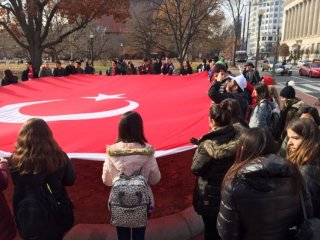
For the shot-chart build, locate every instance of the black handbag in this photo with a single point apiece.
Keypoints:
(310, 228)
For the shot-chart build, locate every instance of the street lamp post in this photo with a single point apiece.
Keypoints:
(258, 40)
(276, 53)
(248, 33)
(91, 46)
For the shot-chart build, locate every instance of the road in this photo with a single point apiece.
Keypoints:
(306, 85)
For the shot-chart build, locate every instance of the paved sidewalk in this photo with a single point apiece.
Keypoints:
(185, 225)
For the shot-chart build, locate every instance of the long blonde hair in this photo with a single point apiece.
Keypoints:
(309, 148)
(36, 150)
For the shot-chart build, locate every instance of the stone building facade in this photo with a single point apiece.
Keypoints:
(301, 28)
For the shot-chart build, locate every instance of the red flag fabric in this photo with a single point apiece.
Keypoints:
(83, 111)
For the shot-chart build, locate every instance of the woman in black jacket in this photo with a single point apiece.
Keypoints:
(215, 154)
(39, 167)
(9, 78)
(260, 192)
(304, 151)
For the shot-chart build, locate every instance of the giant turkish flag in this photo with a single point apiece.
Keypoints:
(83, 111)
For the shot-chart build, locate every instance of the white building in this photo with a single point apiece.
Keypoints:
(302, 28)
(272, 16)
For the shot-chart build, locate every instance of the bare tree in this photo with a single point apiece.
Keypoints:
(185, 21)
(30, 22)
(144, 36)
(236, 8)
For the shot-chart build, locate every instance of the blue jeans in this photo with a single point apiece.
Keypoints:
(125, 233)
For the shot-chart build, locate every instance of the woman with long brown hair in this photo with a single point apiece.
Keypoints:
(38, 163)
(260, 192)
(304, 151)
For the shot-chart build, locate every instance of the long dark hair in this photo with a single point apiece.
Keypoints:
(312, 111)
(130, 128)
(36, 150)
(8, 74)
(262, 92)
(309, 149)
(253, 143)
(221, 114)
(233, 105)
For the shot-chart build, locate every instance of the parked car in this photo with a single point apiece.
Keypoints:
(252, 58)
(311, 69)
(283, 69)
(301, 62)
(267, 65)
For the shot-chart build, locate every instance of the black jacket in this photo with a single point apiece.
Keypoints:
(25, 74)
(214, 156)
(6, 81)
(217, 96)
(261, 201)
(65, 176)
(311, 176)
(59, 72)
(70, 70)
(252, 77)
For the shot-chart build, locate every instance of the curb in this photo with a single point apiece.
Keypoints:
(179, 226)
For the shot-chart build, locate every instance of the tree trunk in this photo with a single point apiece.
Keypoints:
(234, 50)
(36, 57)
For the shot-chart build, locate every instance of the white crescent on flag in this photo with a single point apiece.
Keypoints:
(11, 114)
(83, 111)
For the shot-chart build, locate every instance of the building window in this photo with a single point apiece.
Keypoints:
(263, 38)
(276, 3)
(269, 38)
(318, 47)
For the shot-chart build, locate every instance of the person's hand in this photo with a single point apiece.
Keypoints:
(3, 160)
(221, 76)
(194, 141)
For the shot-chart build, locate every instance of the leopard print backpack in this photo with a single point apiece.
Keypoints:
(129, 201)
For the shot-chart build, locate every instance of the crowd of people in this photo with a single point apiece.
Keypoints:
(46, 71)
(259, 157)
(118, 67)
(261, 154)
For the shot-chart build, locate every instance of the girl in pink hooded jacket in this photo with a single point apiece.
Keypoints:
(130, 153)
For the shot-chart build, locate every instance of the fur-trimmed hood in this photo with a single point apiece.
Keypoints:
(129, 157)
(221, 151)
(115, 150)
(295, 102)
(223, 142)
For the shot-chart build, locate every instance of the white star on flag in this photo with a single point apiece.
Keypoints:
(102, 97)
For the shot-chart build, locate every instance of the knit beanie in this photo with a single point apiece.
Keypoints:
(288, 92)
